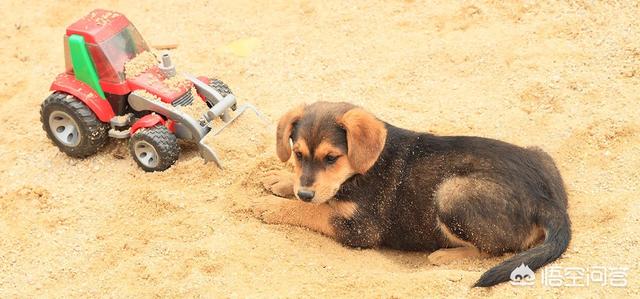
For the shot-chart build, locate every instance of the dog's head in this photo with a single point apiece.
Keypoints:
(330, 143)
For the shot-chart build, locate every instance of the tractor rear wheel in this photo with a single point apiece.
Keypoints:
(72, 126)
(154, 149)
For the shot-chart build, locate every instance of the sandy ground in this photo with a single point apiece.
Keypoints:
(565, 77)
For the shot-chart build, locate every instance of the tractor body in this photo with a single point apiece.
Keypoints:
(97, 50)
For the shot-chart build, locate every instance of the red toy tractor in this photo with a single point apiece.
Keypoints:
(95, 98)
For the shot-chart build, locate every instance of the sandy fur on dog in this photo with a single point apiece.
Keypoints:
(565, 77)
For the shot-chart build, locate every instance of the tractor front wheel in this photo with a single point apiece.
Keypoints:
(154, 149)
(221, 88)
(72, 126)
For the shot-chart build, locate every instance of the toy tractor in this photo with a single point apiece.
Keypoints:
(95, 98)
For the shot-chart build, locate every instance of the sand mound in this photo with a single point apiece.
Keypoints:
(240, 140)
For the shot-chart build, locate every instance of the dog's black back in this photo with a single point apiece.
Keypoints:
(400, 192)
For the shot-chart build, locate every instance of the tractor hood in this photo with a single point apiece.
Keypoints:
(156, 83)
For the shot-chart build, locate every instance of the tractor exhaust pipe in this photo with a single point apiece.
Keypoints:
(167, 67)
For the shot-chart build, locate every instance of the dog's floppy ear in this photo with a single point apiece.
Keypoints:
(283, 133)
(366, 137)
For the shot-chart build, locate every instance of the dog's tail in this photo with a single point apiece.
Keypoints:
(558, 235)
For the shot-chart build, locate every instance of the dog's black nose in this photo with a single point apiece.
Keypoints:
(306, 195)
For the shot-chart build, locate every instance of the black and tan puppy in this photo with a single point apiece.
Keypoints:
(367, 183)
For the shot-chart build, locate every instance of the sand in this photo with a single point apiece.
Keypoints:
(197, 108)
(565, 77)
(241, 140)
(140, 64)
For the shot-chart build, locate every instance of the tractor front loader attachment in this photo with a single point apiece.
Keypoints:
(186, 127)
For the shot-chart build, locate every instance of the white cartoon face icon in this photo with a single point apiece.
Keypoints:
(522, 276)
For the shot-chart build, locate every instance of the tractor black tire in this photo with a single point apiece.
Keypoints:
(85, 133)
(222, 88)
(154, 149)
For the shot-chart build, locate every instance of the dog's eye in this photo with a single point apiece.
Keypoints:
(330, 159)
(298, 155)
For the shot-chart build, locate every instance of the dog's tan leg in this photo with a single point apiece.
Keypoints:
(316, 217)
(279, 182)
(448, 255)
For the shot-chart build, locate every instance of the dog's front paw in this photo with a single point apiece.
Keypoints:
(279, 182)
(269, 209)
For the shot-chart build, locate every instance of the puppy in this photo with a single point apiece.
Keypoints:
(367, 183)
